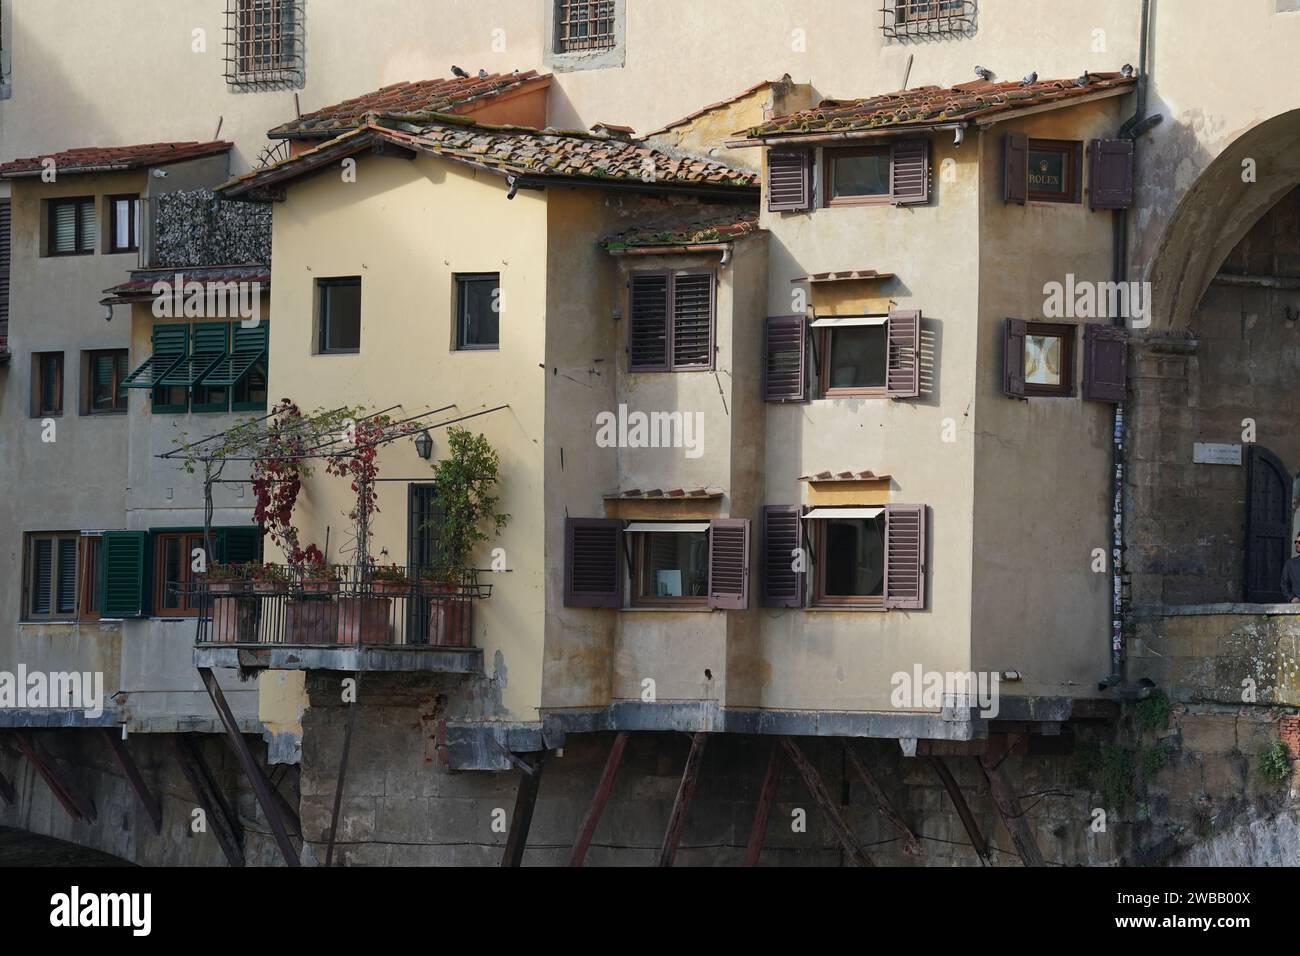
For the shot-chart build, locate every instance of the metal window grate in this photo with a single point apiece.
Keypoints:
(585, 25)
(264, 44)
(927, 19)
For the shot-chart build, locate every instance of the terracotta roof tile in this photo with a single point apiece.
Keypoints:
(140, 285)
(726, 229)
(704, 110)
(449, 96)
(97, 159)
(934, 105)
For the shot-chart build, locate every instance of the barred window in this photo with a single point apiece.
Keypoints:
(584, 25)
(264, 43)
(908, 19)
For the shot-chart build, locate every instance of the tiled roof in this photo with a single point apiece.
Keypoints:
(513, 151)
(828, 476)
(712, 231)
(139, 286)
(655, 494)
(932, 105)
(99, 159)
(456, 95)
(703, 110)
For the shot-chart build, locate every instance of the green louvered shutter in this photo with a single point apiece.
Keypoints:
(239, 545)
(123, 573)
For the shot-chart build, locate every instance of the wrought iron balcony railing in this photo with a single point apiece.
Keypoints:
(422, 610)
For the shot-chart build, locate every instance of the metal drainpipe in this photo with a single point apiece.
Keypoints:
(1131, 130)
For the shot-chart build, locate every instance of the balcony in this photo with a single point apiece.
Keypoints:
(343, 621)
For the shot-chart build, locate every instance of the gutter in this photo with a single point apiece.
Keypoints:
(816, 138)
(722, 247)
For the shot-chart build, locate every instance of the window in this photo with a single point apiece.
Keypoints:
(850, 550)
(91, 581)
(6, 239)
(584, 25)
(478, 311)
(671, 321)
(857, 358)
(71, 227)
(1039, 359)
(102, 388)
(207, 367)
(927, 19)
(173, 557)
(50, 577)
(853, 355)
(898, 173)
(339, 312)
(123, 224)
(670, 564)
(1053, 171)
(264, 41)
(47, 384)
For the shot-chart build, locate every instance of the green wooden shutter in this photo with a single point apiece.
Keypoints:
(123, 578)
(170, 345)
(238, 545)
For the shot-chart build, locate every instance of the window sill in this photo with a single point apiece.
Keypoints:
(695, 609)
(70, 622)
(854, 393)
(852, 608)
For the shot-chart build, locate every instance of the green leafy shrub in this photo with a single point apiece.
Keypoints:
(1153, 713)
(1275, 764)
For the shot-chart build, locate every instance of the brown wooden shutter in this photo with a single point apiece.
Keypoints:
(1110, 173)
(905, 556)
(1105, 363)
(593, 562)
(693, 320)
(909, 172)
(648, 322)
(1015, 183)
(782, 535)
(1013, 358)
(6, 253)
(785, 374)
(729, 563)
(903, 379)
(789, 180)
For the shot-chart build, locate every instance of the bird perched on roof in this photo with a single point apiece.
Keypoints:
(1082, 80)
(983, 74)
(1031, 78)
(1126, 70)
(457, 71)
(482, 73)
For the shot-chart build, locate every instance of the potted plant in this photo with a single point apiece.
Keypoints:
(310, 613)
(389, 579)
(267, 578)
(234, 616)
(315, 576)
(226, 579)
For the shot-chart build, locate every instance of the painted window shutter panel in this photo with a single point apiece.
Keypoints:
(903, 378)
(905, 556)
(593, 562)
(123, 557)
(1268, 525)
(1110, 174)
(6, 246)
(238, 545)
(783, 586)
(693, 320)
(785, 350)
(729, 564)
(1013, 361)
(42, 575)
(1105, 363)
(648, 322)
(1015, 184)
(789, 181)
(909, 172)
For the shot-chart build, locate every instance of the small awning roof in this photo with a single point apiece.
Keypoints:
(680, 527)
(848, 321)
(845, 476)
(854, 275)
(844, 513)
(658, 494)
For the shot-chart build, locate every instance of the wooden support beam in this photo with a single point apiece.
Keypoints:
(7, 791)
(588, 828)
(766, 796)
(76, 807)
(813, 781)
(220, 818)
(963, 809)
(911, 845)
(340, 779)
(682, 803)
(147, 800)
(1008, 804)
(522, 819)
(261, 786)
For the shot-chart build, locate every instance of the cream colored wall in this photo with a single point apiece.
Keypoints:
(1043, 482)
(405, 227)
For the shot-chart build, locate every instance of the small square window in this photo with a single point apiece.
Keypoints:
(850, 561)
(339, 311)
(857, 175)
(856, 359)
(264, 44)
(50, 578)
(1053, 170)
(584, 25)
(123, 224)
(101, 385)
(1049, 359)
(173, 576)
(47, 384)
(671, 568)
(70, 226)
(478, 311)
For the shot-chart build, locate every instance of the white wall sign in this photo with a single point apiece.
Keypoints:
(1208, 453)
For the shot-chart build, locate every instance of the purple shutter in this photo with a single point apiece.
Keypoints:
(909, 172)
(1015, 183)
(693, 320)
(648, 322)
(789, 180)
(782, 535)
(785, 348)
(1013, 358)
(905, 556)
(729, 563)
(593, 562)
(1110, 174)
(903, 378)
(1105, 363)
(5, 251)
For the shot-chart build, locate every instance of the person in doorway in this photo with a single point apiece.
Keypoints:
(1291, 575)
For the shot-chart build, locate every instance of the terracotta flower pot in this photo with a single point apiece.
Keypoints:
(390, 588)
(311, 621)
(320, 586)
(363, 620)
(234, 620)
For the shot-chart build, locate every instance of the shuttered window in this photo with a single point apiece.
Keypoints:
(729, 564)
(71, 226)
(6, 259)
(671, 321)
(593, 562)
(123, 556)
(785, 346)
(1110, 174)
(898, 173)
(782, 561)
(1105, 363)
(103, 389)
(905, 562)
(51, 576)
(904, 362)
(789, 180)
(1038, 359)
(47, 384)
(910, 172)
